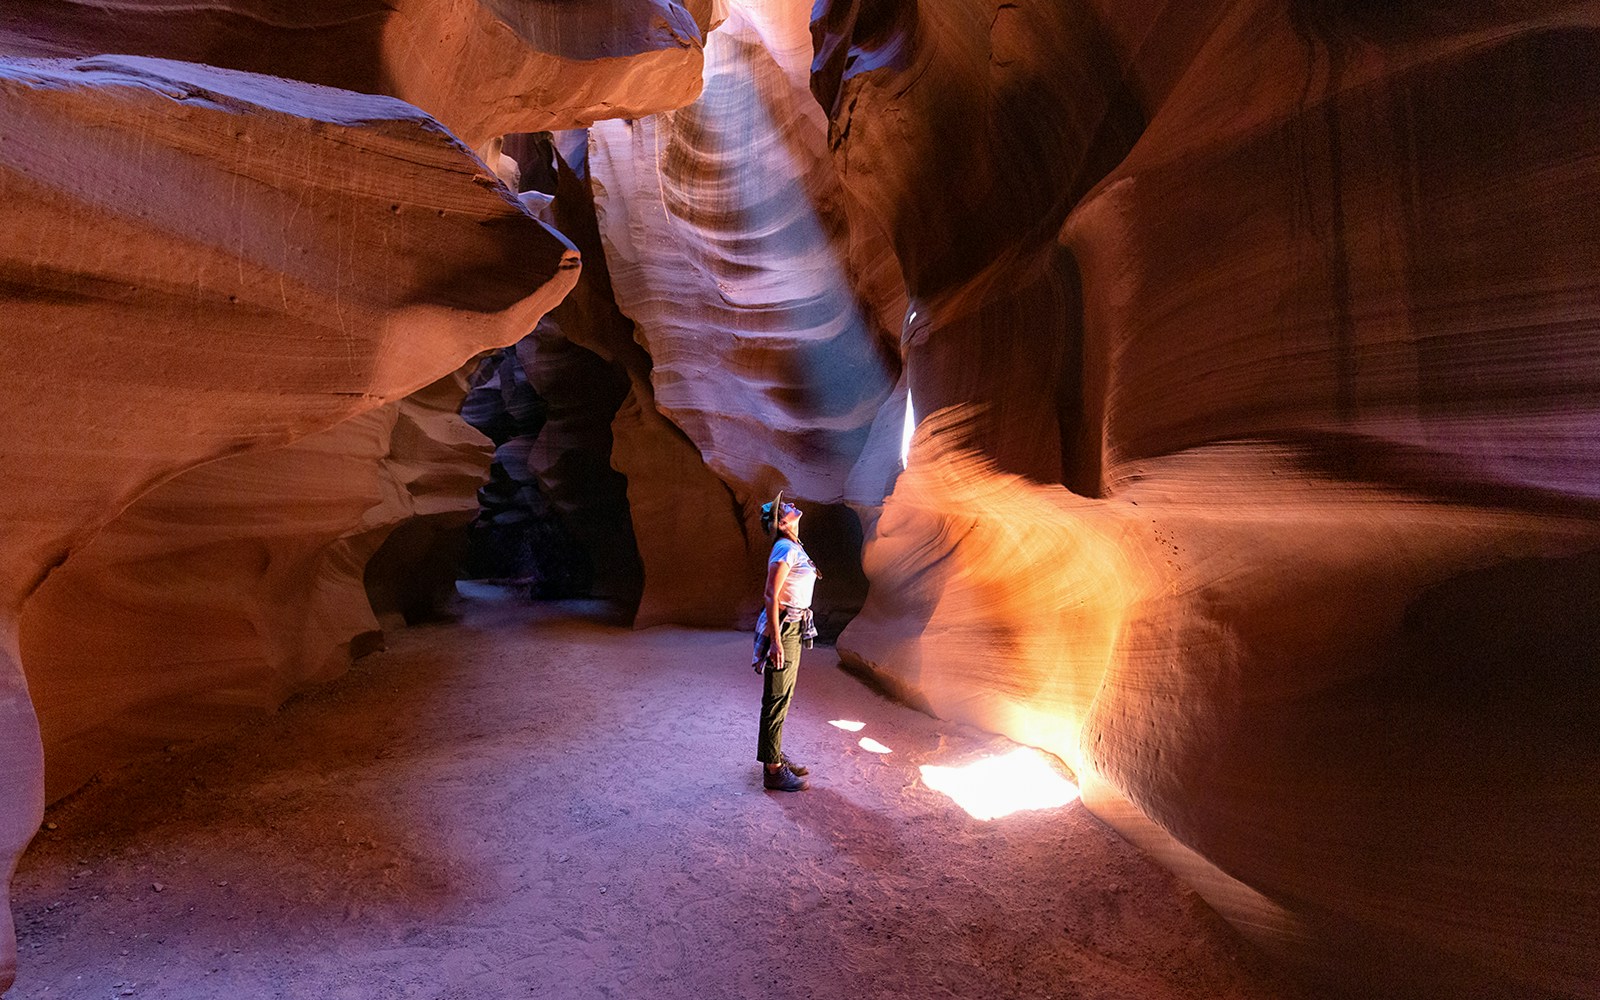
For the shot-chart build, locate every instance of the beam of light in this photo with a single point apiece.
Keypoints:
(999, 786)
(848, 726)
(908, 430)
(868, 743)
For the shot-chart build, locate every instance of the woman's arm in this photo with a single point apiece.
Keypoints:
(777, 573)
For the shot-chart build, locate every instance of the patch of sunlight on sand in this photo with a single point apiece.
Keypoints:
(867, 743)
(848, 726)
(999, 786)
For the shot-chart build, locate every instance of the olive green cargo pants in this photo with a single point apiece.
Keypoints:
(777, 690)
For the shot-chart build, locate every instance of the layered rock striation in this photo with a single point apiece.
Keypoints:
(967, 132)
(1249, 341)
(482, 67)
(222, 591)
(200, 263)
(217, 247)
(1315, 621)
(579, 380)
(770, 320)
(681, 523)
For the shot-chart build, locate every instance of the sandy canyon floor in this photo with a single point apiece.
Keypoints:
(527, 801)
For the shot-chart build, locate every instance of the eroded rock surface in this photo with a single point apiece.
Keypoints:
(1316, 623)
(1260, 483)
(683, 523)
(224, 590)
(769, 305)
(199, 263)
(1313, 698)
(726, 237)
(580, 379)
(968, 131)
(482, 67)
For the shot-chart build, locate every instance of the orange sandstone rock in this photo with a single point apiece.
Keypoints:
(727, 240)
(236, 583)
(1317, 623)
(482, 67)
(199, 263)
(968, 131)
(685, 537)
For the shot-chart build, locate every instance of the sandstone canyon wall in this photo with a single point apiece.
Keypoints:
(768, 307)
(236, 583)
(220, 289)
(682, 524)
(1316, 621)
(482, 67)
(553, 514)
(1251, 344)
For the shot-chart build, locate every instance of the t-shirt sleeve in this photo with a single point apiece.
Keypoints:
(786, 552)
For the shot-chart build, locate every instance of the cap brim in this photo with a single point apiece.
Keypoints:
(769, 511)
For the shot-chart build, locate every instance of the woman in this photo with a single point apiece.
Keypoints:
(784, 626)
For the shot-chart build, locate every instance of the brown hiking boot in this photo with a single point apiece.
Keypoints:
(799, 769)
(783, 780)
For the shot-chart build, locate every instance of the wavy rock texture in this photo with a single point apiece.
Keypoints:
(726, 237)
(516, 536)
(767, 302)
(581, 377)
(554, 514)
(682, 522)
(436, 458)
(482, 67)
(1325, 641)
(1429, 302)
(199, 263)
(1359, 722)
(235, 584)
(969, 132)
(572, 457)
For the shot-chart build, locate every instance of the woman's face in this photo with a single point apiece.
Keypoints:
(788, 516)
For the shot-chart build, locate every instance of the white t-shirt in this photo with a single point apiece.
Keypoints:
(802, 578)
